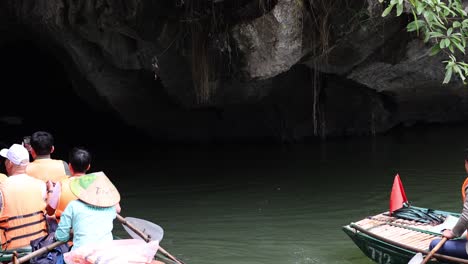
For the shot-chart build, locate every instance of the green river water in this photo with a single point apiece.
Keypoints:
(283, 203)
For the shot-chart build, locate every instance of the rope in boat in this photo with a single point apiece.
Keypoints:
(427, 216)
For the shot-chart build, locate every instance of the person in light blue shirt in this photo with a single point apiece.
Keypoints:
(91, 216)
(90, 224)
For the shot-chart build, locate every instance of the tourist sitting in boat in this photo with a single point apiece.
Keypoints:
(91, 216)
(459, 247)
(44, 167)
(22, 201)
(79, 162)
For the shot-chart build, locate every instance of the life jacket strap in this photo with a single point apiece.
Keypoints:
(21, 216)
(5, 245)
(21, 226)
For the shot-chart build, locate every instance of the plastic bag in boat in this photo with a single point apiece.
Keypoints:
(122, 251)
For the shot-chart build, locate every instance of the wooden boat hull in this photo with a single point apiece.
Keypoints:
(388, 240)
(379, 251)
(6, 256)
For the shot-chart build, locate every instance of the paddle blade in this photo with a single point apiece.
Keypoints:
(154, 231)
(398, 196)
(417, 259)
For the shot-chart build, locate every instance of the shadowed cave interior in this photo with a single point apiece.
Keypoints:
(38, 95)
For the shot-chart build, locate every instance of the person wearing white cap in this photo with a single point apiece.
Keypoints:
(22, 215)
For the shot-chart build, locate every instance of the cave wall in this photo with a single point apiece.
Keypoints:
(206, 70)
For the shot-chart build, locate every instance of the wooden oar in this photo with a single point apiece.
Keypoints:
(146, 237)
(38, 252)
(418, 257)
(434, 250)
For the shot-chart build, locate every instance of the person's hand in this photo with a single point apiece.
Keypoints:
(50, 186)
(28, 147)
(448, 233)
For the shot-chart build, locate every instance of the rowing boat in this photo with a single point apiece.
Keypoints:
(397, 235)
(7, 255)
(391, 240)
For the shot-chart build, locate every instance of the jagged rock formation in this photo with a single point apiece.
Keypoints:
(286, 70)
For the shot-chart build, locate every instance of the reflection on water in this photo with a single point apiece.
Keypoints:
(281, 204)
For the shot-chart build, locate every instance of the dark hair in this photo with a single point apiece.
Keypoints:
(79, 159)
(42, 142)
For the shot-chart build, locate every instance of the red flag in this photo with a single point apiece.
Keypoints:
(398, 196)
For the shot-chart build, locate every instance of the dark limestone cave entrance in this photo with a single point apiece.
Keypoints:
(38, 94)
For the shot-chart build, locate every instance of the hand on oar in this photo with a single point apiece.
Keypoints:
(147, 231)
(39, 252)
(418, 259)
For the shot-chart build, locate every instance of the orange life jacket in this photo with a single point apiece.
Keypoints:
(66, 196)
(23, 211)
(463, 188)
(48, 169)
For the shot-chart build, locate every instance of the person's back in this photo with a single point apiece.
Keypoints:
(44, 167)
(79, 163)
(23, 206)
(91, 217)
(22, 218)
(90, 223)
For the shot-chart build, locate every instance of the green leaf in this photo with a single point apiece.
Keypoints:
(442, 44)
(399, 9)
(435, 34)
(415, 25)
(450, 64)
(459, 46)
(448, 10)
(451, 48)
(457, 69)
(447, 42)
(465, 70)
(426, 38)
(456, 24)
(448, 76)
(388, 10)
(434, 50)
(456, 37)
(449, 32)
(420, 8)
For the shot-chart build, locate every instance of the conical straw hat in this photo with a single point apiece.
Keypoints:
(95, 189)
